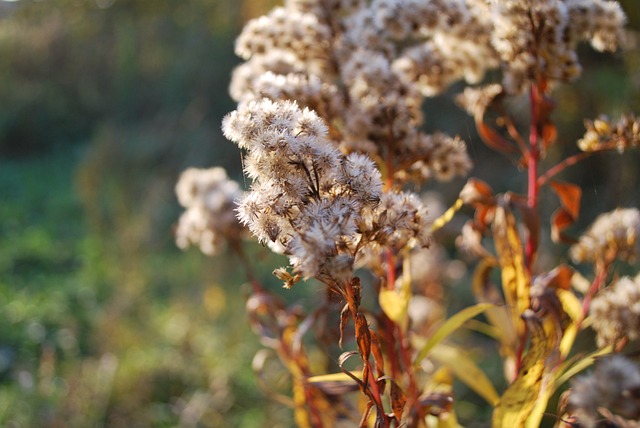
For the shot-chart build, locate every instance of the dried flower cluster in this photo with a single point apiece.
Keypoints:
(330, 119)
(345, 61)
(612, 235)
(209, 220)
(612, 392)
(615, 312)
(537, 39)
(308, 200)
(603, 134)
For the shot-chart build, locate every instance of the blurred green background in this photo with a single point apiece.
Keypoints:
(103, 321)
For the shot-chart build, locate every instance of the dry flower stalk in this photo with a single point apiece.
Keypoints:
(330, 122)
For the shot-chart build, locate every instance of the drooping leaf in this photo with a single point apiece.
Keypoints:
(572, 306)
(569, 195)
(492, 138)
(518, 401)
(563, 373)
(336, 383)
(377, 353)
(449, 326)
(363, 337)
(582, 364)
(398, 400)
(515, 278)
(477, 192)
(549, 134)
(465, 369)
(499, 316)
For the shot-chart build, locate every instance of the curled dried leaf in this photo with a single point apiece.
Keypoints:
(569, 195)
(477, 192)
(363, 336)
(398, 400)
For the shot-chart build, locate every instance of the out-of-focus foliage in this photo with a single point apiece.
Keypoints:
(102, 320)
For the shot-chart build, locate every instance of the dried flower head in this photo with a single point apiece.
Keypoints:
(604, 134)
(612, 235)
(353, 63)
(309, 201)
(209, 221)
(615, 312)
(538, 39)
(613, 389)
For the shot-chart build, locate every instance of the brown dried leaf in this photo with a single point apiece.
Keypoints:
(477, 192)
(363, 336)
(549, 134)
(569, 195)
(398, 400)
(493, 139)
(377, 353)
(559, 278)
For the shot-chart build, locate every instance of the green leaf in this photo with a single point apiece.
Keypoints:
(466, 370)
(449, 326)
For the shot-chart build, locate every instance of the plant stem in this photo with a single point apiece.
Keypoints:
(532, 172)
(561, 166)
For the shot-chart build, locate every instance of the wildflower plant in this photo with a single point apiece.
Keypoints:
(330, 123)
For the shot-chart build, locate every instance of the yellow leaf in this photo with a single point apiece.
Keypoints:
(560, 376)
(499, 316)
(466, 370)
(573, 307)
(335, 377)
(395, 305)
(449, 326)
(518, 401)
(581, 365)
(515, 279)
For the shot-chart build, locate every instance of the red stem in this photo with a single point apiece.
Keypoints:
(532, 163)
(595, 287)
(561, 166)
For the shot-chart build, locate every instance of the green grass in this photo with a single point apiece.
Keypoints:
(109, 327)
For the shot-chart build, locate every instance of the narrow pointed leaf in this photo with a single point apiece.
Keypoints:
(465, 369)
(449, 326)
(515, 279)
(363, 337)
(398, 400)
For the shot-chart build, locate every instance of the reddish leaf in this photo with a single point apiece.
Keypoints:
(569, 195)
(398, 400)
(492, 139)
(549, 134)
(559, 278)
(377, 353)
(477, 192)
(363, 336)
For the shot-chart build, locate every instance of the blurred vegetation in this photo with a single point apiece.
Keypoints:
(103, 322)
